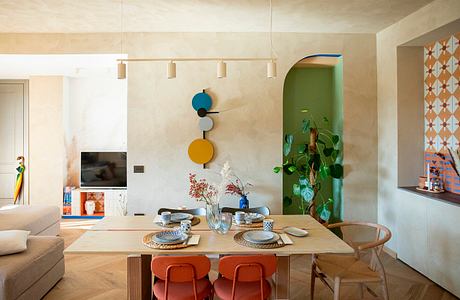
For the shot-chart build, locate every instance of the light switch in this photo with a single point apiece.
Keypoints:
(138, 169)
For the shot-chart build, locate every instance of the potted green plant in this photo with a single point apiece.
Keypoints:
(316, 158)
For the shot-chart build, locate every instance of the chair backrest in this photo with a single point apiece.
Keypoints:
(180, 268)
(264, 210)
(382, 235)
(247, 267)
(200, 211)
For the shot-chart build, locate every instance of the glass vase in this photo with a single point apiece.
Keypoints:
(213, 216)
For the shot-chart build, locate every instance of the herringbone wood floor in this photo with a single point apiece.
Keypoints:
(104, 277)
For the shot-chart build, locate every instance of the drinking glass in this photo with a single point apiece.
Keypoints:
(225, 223)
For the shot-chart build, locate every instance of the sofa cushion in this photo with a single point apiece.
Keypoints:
(20, 271)
(33, 218)
(13, 241)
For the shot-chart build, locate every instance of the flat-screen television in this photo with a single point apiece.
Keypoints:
(103, 170)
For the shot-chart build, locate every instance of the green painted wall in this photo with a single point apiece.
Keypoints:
(319, 90)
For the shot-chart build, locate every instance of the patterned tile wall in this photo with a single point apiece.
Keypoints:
(442, 105)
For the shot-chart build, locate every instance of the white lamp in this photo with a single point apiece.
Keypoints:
(171, 70)
(221, 69)
(121, 70)
(271, 69)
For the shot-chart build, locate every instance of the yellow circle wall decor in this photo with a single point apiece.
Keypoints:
(201, 151)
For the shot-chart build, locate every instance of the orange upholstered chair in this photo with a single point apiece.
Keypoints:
(181, 277)
(244, 277)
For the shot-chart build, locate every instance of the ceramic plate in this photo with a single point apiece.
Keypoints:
(260, 237)
(169, 237)
(295, 231)
(177, 217)
(256, 217)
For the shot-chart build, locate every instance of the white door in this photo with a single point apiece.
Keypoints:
(13, 97)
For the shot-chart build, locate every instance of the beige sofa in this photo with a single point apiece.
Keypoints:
(32, 273)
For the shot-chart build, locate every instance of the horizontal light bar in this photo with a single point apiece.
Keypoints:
(198, 59)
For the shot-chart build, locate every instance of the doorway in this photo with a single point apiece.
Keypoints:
(313, 90)
(13, 138)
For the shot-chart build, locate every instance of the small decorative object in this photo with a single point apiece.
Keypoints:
(201, 151)
(437, 185)
(428, 182)
(236, 186)
(422, 182)
(165, 217)
(90, 206)
(186, 226)
(240, 217)
(268, 224)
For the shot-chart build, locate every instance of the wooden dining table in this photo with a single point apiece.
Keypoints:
(124, 235)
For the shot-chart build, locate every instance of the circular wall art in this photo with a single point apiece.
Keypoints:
(205, 124)
(201, 151)
(201, 100)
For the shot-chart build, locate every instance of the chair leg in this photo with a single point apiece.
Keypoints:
(361, 290)
(312, 281)
(385, 289)
(336, 288)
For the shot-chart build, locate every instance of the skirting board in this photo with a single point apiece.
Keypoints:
(390, 252)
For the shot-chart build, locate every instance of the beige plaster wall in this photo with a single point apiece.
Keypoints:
(248, 132)
(46, 139)
(423, 229)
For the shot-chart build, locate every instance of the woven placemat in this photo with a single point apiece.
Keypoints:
(240, 240)
(253, 225)
(147, 241)
(195, 221)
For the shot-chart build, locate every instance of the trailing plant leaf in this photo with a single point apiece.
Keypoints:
(305, 126)
(335, 139)
(289, 138)
(288, 169)
(304, 110)
(336, 170)
(287, 201)
(292, 168)
(328, 151)
(286, 149)
(324, 171)
(335, 154)
(296, 189)
(301, 149)
(277, 169)
(303, 180)
(325, 120)
(307, 192)
(321, 142)
(325, 214)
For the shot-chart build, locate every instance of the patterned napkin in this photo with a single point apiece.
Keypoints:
(286, 240)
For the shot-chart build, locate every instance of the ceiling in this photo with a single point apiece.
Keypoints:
(360, 16)
(70, 65)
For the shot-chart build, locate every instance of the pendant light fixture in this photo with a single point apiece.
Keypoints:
(121, 64)
(271, 65)
(221, 69)
(171, 72)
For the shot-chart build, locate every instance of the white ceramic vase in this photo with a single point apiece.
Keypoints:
(90, 206)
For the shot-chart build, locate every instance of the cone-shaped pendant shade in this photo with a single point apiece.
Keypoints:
(171, 70)
(221, 69)
(271, 69)
(121, 70)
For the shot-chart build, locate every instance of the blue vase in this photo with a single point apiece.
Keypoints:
(244, 202)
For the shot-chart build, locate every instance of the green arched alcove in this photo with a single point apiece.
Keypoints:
(316, 84)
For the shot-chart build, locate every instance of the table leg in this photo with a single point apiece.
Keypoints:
(139, 277)
(282, 277)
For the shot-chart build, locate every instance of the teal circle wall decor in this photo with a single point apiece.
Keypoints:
(201, 100)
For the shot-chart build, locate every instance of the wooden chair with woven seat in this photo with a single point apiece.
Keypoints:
(334, 270)
(245, 277)
(181, 278)
(264, 210)
(200, 211)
